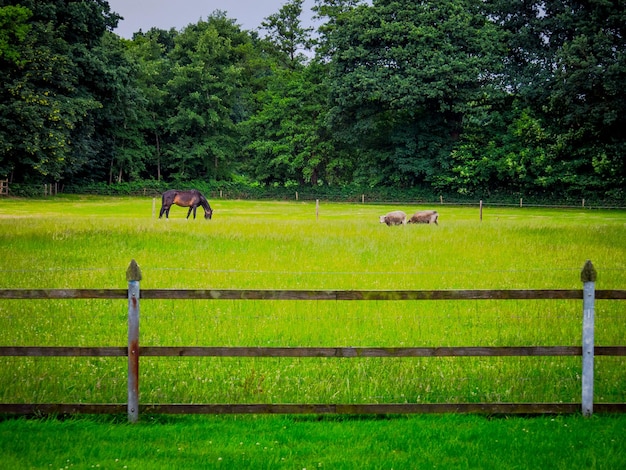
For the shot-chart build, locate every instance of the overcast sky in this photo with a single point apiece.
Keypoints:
(166, 14)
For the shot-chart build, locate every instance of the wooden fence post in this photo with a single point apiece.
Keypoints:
(588, 277)
(133, 276)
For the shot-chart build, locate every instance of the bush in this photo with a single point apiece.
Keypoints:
(243, 189)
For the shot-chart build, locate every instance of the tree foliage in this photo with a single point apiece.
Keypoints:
(568, 65)
(454, 96)
(51, 93)
(286, 34)
(13, 31)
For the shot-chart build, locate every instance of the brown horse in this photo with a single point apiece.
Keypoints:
(191, 198)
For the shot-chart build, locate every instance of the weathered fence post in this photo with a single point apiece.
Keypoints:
(588, 277)
(133, 276)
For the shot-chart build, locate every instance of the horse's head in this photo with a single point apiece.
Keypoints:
(208, 213)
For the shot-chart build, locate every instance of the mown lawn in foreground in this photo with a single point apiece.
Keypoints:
(287, 442)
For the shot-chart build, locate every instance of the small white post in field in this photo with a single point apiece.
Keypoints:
(133, 276)
(520, 202)
(588, 277)
(296, 195)
(481, 210)
(362, 198)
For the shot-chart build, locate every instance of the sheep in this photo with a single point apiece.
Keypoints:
(393, 218)
(424, 217)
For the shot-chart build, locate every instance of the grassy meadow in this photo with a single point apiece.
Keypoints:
(88, 242)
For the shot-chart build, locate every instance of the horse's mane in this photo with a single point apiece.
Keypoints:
(203, 202)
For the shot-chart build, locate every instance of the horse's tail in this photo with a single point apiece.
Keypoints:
(167, 199)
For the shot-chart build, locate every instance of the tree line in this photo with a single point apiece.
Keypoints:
(466, 97)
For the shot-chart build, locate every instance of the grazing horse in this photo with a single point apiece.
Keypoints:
(192, 199)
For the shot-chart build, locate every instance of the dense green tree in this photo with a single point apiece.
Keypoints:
(567, 62)
(202, 98)
(150, 52)
(470, 96)
(121, 120)
(47, 98)
(402, 75)
(287, 35)
(13, 31)
(329, 12)
(588, 97)
(288, 141)
(287, 138)
(503, 149)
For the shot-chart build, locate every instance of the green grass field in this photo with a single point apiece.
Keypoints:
(261, 442)
(88, 242)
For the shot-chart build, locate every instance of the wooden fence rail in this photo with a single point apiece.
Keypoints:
(134, 351)
(253, 294)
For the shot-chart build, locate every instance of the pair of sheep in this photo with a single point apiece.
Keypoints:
(420, 217)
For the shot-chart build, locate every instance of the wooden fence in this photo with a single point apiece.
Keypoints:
(588, 294)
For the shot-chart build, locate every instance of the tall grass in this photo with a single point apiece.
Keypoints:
(88, 242)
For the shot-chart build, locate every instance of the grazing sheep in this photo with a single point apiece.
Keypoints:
(424, 217)
(393, 218)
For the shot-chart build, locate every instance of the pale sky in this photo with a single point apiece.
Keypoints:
(166, 14)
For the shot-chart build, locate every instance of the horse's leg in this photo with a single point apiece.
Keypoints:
(189, 212)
